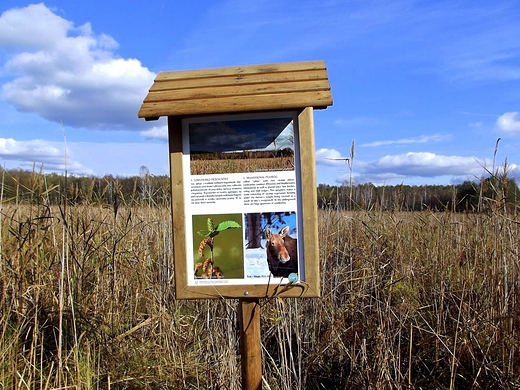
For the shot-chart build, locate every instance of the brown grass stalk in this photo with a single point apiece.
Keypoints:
(409, 300)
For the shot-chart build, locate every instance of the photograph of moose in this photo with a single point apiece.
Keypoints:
(281, 252)
(271, 244)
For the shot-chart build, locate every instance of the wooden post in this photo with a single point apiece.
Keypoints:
(250, 346)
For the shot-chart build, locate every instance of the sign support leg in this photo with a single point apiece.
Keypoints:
(250, 346)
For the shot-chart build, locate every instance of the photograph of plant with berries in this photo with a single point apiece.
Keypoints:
(220, 252)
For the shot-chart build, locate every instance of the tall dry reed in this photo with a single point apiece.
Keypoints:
(409, 300)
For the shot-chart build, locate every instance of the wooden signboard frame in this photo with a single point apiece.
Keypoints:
(306, 213)
(197, 103)
(216, 95)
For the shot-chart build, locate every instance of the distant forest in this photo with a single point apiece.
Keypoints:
(488, 194)
(30, 186)
(149, 190)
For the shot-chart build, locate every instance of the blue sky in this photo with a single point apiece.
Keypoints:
(424, 88)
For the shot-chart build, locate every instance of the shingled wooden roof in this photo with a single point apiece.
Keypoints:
(238, 89)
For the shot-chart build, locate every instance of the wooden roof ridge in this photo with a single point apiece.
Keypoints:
(238, 89)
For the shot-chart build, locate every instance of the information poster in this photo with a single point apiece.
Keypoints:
(242, 199)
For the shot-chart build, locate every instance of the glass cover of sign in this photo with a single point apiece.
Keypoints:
(242, 190)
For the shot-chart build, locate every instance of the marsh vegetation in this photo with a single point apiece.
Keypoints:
(423, 299)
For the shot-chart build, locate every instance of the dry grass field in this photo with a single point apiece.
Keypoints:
(420, 300)
(205, 167)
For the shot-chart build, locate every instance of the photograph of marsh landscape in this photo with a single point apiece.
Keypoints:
(420, 289)
(241, 146)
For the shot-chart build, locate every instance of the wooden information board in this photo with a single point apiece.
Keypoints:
(242, 164)
(243, 182)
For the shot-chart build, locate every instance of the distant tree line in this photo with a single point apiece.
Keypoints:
(150, 190)
(490, 193)
(30, 186)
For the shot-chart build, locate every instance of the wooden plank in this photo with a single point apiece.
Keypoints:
(171, 85)
(300, 290)
(243, 70)
(238, 90)
(178, 205)
(309, 201)
(232, 89)
(250, 345)
(230, 104)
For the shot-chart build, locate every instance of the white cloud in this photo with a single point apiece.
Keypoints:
(156, 132)
(407, 141)
(10, 147)
(412, 168)
(508, 123)
(70, 75)
(426, 164)
(38, 35)
(329, 157)
(85, 158)
(49, 155)
(414, 165)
